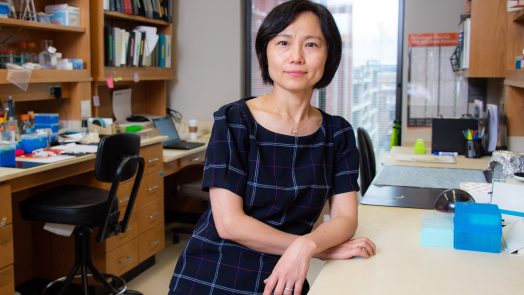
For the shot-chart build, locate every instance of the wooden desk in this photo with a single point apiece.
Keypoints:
(174, 160)
(462, 162)
(20, 261)
(402, 266)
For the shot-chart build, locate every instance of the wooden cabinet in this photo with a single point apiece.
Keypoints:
(487, 55)
(6, 241)
(71, 41)
(145, 234)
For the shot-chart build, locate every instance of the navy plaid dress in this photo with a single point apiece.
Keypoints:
(284, 181)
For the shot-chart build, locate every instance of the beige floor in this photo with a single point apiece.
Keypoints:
(155, 280)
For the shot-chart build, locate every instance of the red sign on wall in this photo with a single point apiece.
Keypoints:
(433, 39)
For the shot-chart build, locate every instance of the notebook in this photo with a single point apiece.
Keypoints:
(401, 196)
(167, 128)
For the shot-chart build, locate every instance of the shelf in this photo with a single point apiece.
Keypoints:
(144, 73)
(515, 78)
(13, 22)
(136, 18)
(53, 76)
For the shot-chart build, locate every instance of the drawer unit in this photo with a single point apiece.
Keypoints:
(6, 245)
(150, 215)
(7, 280)
(122, 259)
(131, 233)
(151, 188)
(5, 205)
(151, 242)
(193, 159)
(153, 158)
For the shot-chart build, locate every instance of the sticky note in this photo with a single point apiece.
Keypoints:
(96, 100)
(110, 83)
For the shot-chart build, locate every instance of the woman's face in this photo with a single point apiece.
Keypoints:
(297, 55)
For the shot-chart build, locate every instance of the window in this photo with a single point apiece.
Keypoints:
(364, 90)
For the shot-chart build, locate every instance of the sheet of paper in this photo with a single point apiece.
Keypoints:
(74, 148)
(46, 160)
(425, 158)
(122, 104)
(513, 235)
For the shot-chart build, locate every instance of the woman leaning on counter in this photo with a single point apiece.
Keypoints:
(272, 163)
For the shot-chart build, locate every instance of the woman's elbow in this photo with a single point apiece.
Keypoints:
(225, 228)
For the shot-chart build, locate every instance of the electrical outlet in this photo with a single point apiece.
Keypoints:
(85, 108)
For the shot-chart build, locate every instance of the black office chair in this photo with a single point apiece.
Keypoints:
(188, 184)
(367, 159)
(117, 160)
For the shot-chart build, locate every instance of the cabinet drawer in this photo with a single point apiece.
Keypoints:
(151, 188)
(150, 215)
(151, 242)
(153, 158)
(6, 245)
(123, 258)
(5, 205)
(7, 280)
(193, 159)
(131, 233)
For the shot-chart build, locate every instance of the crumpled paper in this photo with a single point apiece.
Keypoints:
(505, 163)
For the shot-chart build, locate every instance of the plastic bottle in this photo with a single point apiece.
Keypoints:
(26, 126)
(2, 128)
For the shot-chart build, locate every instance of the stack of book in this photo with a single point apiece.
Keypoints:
(158, 9)
(141, 47)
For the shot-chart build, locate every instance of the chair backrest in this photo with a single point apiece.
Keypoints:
(117, 160)
(367, 159)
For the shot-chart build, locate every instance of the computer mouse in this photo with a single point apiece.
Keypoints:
(445, 202)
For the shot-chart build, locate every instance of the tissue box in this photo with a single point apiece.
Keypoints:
(50, 118)
(4, 9)
(477, 227)
(63, 14)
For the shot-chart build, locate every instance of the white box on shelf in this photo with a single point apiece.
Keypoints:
(63, 14)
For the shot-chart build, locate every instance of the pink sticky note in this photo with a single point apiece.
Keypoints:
(110, 83)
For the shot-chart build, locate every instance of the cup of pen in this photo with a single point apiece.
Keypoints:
(473, 149)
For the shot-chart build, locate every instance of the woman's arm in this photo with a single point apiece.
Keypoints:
(233, 224)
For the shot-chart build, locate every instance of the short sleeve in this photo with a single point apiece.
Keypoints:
(346, 158)
(227, 151)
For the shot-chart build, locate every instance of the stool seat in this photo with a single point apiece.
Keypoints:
(68, 204)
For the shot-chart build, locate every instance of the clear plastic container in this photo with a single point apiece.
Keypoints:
(7, 155)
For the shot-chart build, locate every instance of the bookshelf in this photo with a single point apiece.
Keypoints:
(152, 78)
(71, 41)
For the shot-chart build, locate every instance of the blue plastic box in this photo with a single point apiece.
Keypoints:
(7, 155)
(42, 118)
(54, 127)
(477, 227)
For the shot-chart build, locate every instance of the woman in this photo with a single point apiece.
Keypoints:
(271, 164)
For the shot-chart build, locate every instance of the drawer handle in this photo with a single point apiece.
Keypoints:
(154, 243)
(195, 159)
(153, 187)
(123, 201)
(154, 215)
(125, 260)
(3, 221)
(153, 160)
(129, 228)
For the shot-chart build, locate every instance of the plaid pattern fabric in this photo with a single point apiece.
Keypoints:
(284, 181)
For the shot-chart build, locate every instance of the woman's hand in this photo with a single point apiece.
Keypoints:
(361, 246)
(289, 273)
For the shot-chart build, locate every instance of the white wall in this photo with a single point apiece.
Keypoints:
(426, 16)
(208, 56)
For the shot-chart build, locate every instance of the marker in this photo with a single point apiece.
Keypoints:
(453, 154)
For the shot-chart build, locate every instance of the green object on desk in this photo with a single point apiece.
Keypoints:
(134, 128)
(419, 147)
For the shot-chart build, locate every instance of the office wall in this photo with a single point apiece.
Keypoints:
(426, 16)
(208, 56)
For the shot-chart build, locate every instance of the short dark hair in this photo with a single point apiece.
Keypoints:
(282, 16)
